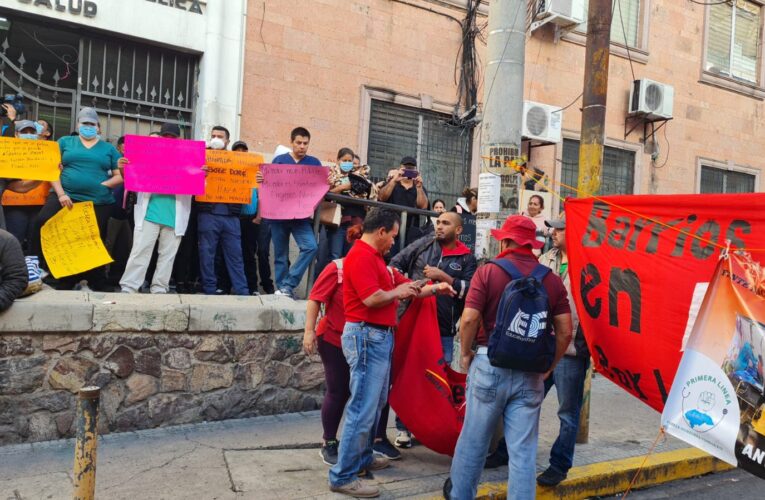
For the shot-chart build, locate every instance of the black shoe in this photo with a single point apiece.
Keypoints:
(386, 449)
(497, 459)
(448, 488)
(328, 452)
(550, 477)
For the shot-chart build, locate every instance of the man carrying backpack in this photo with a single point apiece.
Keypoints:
(513, 306)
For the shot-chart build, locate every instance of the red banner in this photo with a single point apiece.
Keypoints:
(639, 267)
(426, 394)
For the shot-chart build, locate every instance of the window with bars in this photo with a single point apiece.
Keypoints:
(618, 176)
(733, 40)
(626, 23)
(720, 180)
(443, 151)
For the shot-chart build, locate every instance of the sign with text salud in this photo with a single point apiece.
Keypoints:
(164, 166)
(291, 191)
(71, 242)
(230, 176)
(29, 160)
(717, 402)
(638, 264)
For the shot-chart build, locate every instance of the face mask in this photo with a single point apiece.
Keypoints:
(88, 131)
(217, 143)
(28, 136)
(346, 166)
(39, 128)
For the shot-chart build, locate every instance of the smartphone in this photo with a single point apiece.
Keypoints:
(410, 173)
(421, 283)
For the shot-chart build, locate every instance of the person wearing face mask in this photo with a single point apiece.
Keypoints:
(44, 131)
(218, 223)
(333, 243)
(89, 172)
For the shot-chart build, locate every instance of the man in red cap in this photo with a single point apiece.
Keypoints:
(496, 393)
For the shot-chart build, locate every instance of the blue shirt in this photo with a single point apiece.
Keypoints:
(161, 210)
(287, 159)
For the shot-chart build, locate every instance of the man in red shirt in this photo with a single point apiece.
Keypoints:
(371, 292)
(493, 392)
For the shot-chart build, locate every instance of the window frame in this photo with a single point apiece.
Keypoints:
(636, 148)
(638, 54)
(728, 166)
(756, 90)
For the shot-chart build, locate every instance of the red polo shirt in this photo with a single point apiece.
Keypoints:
(489, 281)
(364, 273)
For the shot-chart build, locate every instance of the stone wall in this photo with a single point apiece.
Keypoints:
(159, 360)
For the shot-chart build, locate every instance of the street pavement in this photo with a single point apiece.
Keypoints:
(278, 457)
(733, 485)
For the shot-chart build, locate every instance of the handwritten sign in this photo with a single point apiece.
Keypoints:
(230, 177)
(291, 191)
(29, 160)
(37, 196)
(164, 166)
(71, 241)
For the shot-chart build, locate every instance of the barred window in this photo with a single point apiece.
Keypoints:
(719, 180)
(618, 176)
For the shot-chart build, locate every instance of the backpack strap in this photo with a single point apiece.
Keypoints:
(540, 272)
(508, 267)
(339, 264)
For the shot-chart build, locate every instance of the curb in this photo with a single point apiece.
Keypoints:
(611, 478)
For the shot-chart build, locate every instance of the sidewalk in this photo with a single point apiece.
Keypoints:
(277, 457)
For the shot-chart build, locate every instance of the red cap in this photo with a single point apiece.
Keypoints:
(520, 229)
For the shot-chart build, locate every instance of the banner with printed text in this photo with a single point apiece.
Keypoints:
(717, 398)
(639, 268)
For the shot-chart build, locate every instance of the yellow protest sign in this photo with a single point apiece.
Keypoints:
(29, 160)
(230, 176)
(71, 242)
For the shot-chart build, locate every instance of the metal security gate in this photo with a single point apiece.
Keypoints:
(135, 87)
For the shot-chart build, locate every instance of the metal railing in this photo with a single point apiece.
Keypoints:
(348, 200)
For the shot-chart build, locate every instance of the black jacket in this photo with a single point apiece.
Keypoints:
(459, 263)
(13, 270)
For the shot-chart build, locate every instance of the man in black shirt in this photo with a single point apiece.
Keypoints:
(405, 189)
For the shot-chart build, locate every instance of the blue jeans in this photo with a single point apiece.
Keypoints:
(223, 229)
(494, 393)
(568, 378)
(332, 246)
(368, 351)
(289, 277)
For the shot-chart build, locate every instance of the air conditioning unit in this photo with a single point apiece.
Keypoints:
(542, 122)
(561, 12)
(651, 99)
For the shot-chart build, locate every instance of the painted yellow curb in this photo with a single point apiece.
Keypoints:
(610, 478)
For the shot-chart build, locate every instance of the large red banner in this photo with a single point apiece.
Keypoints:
(638, 264)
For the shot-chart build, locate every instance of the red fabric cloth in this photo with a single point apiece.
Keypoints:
(364, 273)
(489, 281)
(328, 290)
(427, 395)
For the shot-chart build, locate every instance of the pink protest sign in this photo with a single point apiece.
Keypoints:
(164, 166)
(291, 191)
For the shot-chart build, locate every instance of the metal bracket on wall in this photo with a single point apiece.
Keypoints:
(637, 120)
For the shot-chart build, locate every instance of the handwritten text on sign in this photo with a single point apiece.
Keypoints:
(29, 160)
(71, 241)
(164, 166)
(291, 191)
(230, 176)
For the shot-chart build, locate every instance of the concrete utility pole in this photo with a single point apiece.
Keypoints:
(593, 135)
(503, 106)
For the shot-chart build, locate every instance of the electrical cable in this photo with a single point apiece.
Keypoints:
(710, 3)
(666, 158)
(626, 42)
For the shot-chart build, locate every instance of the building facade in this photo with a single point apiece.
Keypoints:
(381, 77)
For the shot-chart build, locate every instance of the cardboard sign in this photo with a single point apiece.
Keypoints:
(164, 166)
(636, 262)
(71, 241)
(37, 196)
(230, 177)
(291, 191)
(29, 160)
(716, 401)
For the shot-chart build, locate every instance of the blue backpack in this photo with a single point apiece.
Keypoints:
(522, 337)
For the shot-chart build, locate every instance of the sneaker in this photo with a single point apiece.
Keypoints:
(255, 294)
(357, 489)
(550, 477)
(328, 452)
(284, 292)
(403, 439)
(379, 463)
(385, 449)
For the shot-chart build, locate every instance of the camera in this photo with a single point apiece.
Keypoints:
(15, 100)
(411, 173)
